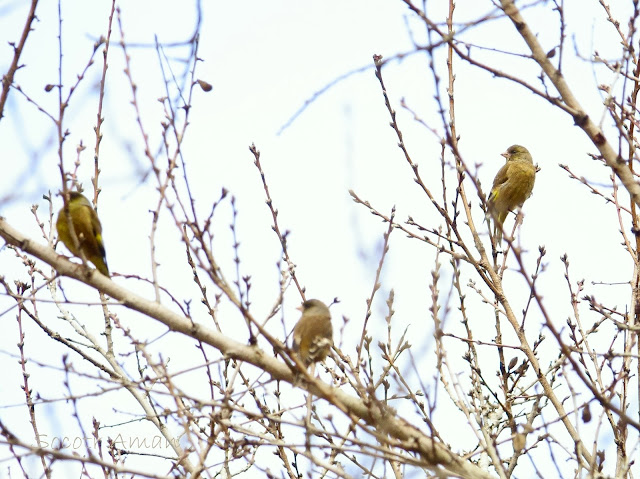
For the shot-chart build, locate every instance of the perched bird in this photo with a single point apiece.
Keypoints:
(87, 229)
(512, 186)
(313, 334)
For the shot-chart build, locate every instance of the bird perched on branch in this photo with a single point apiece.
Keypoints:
(511, 187)
(87, 229)
(313, 333)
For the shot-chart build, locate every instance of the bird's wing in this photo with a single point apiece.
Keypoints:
(501, 177)
(96, 227)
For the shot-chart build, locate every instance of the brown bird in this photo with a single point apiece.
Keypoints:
(87, 229)
(512, 186)
(313, 333)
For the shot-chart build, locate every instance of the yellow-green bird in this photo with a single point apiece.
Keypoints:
(87, 228)
(313, 334)
(512, 186)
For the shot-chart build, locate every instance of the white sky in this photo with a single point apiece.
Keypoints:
(264, 60)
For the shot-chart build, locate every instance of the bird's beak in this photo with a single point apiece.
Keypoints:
(300, 308)
(505, 154)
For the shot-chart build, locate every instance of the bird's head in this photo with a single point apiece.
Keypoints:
(313, 306)
(517, 152)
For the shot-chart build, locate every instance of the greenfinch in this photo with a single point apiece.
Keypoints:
(512, 186)
(313, 334)
(87, 229)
